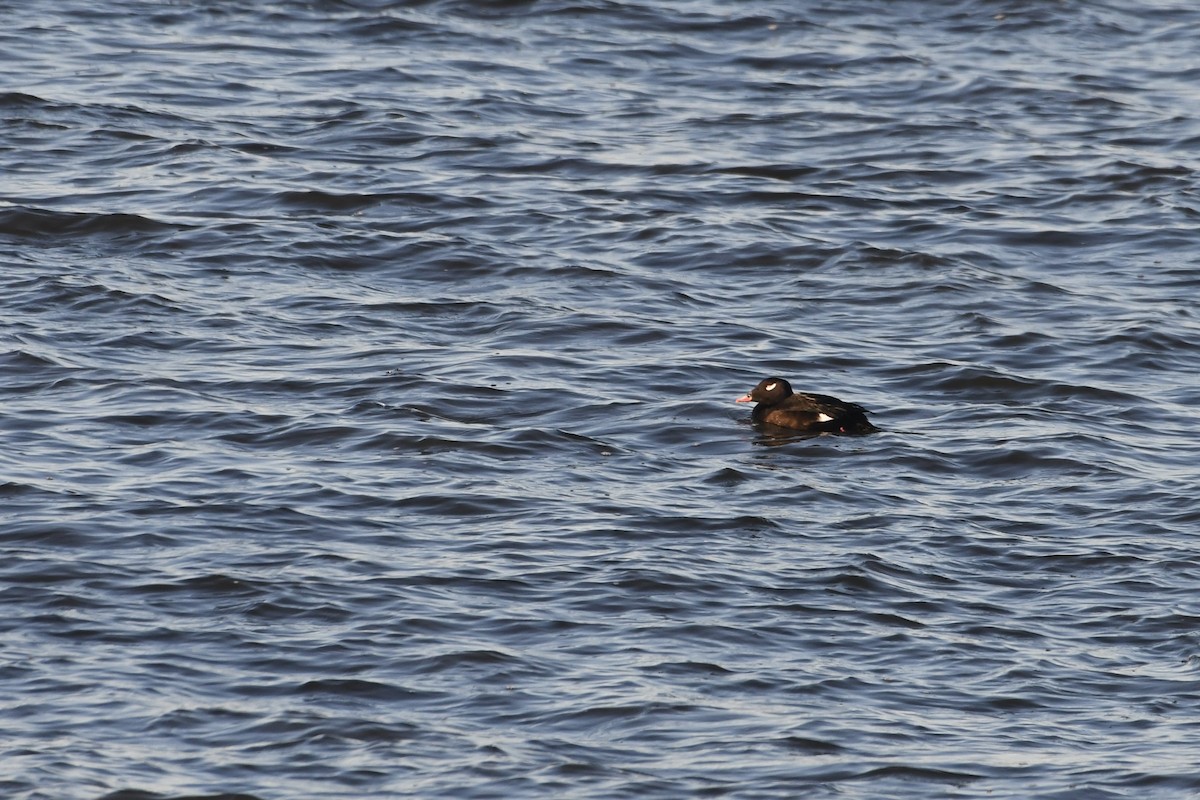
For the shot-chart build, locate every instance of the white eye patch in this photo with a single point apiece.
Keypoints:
(823, 417)
(770, 387)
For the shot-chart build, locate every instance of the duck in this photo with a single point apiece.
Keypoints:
(809, 413)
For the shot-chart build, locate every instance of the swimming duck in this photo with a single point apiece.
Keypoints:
(810, 413)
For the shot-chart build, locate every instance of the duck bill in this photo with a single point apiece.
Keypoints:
(744, 399)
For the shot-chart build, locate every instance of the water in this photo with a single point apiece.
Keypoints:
(368, 379)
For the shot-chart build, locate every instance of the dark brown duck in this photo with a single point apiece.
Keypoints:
(809, 413)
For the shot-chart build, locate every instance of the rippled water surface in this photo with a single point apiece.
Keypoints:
(368, 374)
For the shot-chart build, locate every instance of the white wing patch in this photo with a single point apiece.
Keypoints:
(823, 417)
(770, 387)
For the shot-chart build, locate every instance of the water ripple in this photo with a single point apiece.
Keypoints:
(369, 379)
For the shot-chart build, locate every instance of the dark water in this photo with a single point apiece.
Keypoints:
(367, 416)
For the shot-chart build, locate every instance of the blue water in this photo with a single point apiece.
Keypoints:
(368, 374)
